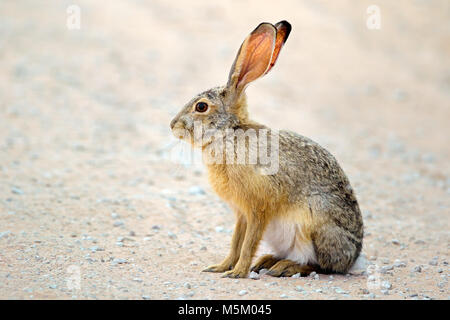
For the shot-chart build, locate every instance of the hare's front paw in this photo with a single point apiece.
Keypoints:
(236, 273)
(218, 268)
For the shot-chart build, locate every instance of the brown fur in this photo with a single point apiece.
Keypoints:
(309, 189)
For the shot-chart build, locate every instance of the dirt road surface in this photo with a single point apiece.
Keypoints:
(93, 204)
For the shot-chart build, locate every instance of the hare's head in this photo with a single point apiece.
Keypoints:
(225, 107)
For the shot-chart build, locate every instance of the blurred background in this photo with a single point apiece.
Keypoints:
(84, 131)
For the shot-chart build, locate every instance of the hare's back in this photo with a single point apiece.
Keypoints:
(308, 167)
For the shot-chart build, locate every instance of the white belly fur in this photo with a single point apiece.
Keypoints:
(287, 240)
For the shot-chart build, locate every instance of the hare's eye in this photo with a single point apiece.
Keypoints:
(201, 107)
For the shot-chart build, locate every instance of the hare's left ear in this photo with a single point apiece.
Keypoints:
(283, 30)
(257, 55)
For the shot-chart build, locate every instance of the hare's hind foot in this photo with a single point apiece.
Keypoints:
(287, 268)
(264, 262)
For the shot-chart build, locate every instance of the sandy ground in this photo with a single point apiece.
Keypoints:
(92, 204)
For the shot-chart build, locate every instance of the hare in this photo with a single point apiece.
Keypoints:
(306, 211)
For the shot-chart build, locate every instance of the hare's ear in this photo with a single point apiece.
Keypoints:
(253, 58)
(283, 30)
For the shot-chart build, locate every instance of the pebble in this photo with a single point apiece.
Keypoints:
(146, 297)
(299, 288)
(96, 248)
(313, 274)
(386, 285)
(243, 292)
(417, 269)
(115, 215)
(399, 264)
(171, 235)
(16, 190)
(264, 271)
(433, 262)
(297, 275)
(283, 296)
(395, 241)
(340, 291)
(187, 285)
(118, 223)
(219, 229)
(119, 261)
(385, 269)
(5, 234)
(253, 275)
(196, 190)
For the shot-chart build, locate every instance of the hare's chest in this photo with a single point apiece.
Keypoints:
(239, 185)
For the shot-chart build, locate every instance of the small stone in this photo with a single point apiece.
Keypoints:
(96, 248)
(364, 291)
(283, 296)
(119, 261)
(16, 190)
(263, 271)
(243, 292)
(395, 241)
(132, 234)
(399, 264)
(118, 223)
(187, 285)
(5, 234)
(115, 215)
(433, 262)
(313, 274)
(386, 285)
(417, 269)
(316, 277)
(53, 286)
(156, 227)
(385, 269)
(297, 275)
(253, 275)
(219, 229)
(196, 190)
(171, 235)
(340, 291)
(146, 297)
(299, 288)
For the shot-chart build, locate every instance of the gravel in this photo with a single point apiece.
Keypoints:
(386, 285)
(118, 223)
(417, 269)
(242, 292)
